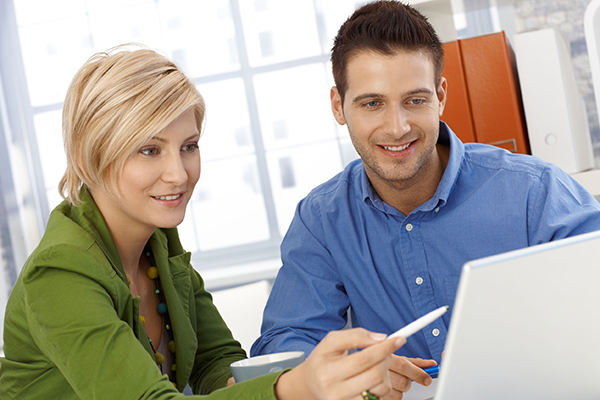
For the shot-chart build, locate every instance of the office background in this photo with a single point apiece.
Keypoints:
(263, 68)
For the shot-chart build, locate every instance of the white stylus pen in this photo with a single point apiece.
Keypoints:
(420, 323)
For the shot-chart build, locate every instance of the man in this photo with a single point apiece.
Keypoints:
(385, 240)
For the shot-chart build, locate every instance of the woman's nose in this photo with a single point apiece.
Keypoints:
(175, 171)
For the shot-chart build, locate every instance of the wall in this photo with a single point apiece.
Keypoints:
(567, 18)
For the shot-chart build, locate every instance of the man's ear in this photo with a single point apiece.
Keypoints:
(336, 106)
(442, 93)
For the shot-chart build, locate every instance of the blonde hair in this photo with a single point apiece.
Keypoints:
(117, 101)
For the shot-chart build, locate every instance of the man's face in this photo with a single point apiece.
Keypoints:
(392, 107)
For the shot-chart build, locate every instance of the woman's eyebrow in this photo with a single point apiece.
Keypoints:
(163, 140)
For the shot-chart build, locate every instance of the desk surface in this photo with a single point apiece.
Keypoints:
(590, 180)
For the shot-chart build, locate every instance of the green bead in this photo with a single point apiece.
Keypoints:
(162, 308)
(157, 291)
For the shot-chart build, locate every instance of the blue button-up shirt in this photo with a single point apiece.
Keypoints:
(348, 251)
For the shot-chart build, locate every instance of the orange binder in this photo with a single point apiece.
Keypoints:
(493, 93)
(457, 113)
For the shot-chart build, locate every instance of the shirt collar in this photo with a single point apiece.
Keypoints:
(439, 199)
(369, 194)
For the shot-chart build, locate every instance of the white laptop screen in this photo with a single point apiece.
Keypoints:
(526, 325)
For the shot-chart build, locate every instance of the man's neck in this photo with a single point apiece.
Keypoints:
(407, 195)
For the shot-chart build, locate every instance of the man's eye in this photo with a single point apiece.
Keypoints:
(417, 102)
(372, 103)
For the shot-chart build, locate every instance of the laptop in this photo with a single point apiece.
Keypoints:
(525, 325)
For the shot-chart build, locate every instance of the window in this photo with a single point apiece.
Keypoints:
(263, 68)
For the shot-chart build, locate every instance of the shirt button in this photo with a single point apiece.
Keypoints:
(409, 227)
(437, 209)
(435, 332)
(419, 280)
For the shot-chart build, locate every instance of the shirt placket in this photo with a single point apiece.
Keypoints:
(419, 282)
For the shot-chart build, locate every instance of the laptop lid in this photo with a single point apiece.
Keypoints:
(526, 325)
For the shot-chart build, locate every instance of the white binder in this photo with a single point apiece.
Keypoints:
(554, 110)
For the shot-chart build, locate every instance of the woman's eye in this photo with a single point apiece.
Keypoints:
(150, 151)
(190, 147)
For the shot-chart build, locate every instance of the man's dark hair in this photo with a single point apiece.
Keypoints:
(384, 26)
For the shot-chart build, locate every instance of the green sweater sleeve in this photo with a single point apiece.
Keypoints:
(261, 388)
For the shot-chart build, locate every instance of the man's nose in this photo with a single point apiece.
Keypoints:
(397, 121)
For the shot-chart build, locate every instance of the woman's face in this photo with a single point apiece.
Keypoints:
(157, 182)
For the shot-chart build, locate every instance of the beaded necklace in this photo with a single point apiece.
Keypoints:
(162, 309)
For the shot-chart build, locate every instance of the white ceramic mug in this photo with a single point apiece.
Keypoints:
(261, 365)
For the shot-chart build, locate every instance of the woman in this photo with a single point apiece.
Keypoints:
(108, 305)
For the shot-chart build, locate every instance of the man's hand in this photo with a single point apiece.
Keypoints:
(405, 370)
